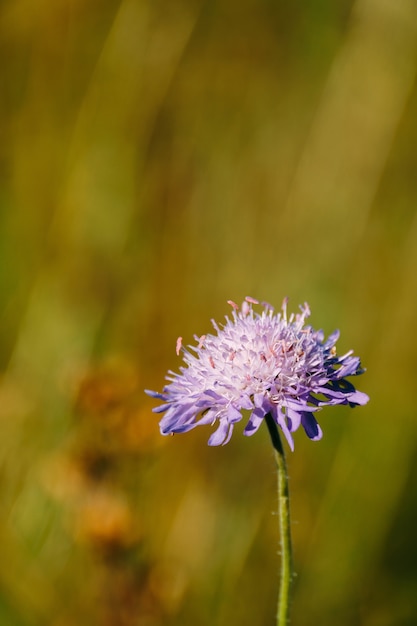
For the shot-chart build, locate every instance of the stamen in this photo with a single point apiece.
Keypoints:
(284, 308)
(245, 308)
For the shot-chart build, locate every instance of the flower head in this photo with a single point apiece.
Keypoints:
(262, 363)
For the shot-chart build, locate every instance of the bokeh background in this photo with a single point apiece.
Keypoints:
(157, 159)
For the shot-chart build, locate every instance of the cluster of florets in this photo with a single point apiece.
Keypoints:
(262, 363)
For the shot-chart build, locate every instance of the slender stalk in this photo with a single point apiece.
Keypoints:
(283, 608)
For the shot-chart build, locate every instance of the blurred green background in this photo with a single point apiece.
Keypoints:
(157, 159)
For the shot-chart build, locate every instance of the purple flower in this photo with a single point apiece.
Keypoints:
(263, 363)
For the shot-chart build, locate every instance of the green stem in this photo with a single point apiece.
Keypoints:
(283, 608)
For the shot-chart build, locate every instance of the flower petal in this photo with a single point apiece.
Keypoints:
(293, 419)
(311, 426)
(358, 398)
(255, 420)
(155, 394)
(221, 435)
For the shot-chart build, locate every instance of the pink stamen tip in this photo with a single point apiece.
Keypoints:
(233, 305)
(245, 308)
(179, 345)
(251, 300)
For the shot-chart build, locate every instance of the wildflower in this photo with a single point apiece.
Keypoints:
(263, 363)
